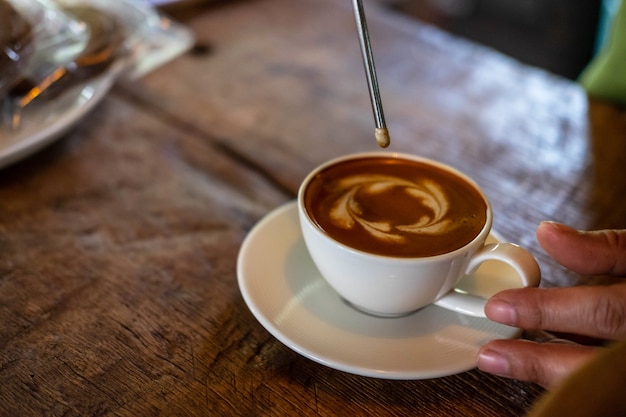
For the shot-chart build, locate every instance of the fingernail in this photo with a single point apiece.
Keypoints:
(559, 226)
(501, 311)
(493, 362)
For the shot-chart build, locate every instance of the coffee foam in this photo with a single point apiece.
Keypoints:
(395, 207)
(347, 212)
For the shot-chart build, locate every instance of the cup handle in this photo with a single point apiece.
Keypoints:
(518, 258)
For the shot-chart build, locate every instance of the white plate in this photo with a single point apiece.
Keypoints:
(42, 124)
(286, 293)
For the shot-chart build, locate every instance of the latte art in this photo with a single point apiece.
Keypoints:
(347, 211)
(395, 207)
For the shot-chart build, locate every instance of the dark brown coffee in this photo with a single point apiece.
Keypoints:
(395, 207)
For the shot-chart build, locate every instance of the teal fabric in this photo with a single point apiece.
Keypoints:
(608, 10)
(605, 76)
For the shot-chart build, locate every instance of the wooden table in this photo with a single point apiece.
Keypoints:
(118, 244)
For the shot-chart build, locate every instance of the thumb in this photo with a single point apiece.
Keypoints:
(546, 364)
(588, 253)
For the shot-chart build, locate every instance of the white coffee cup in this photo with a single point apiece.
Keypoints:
(388, 285)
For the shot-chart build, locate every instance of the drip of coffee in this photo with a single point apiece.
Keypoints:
(396, 207)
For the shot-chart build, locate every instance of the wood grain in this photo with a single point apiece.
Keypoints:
(118, 244)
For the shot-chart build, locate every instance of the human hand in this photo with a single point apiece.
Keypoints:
(596, 311)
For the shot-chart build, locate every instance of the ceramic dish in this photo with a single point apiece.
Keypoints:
(288, 296)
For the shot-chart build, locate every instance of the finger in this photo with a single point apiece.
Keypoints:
(582, 395)
(588, 253)
(546, 364)
(597, 311)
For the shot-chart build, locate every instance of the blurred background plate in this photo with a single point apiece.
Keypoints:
(43, 124)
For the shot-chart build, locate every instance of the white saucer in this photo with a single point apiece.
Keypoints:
(45, 123)
(286, 293)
